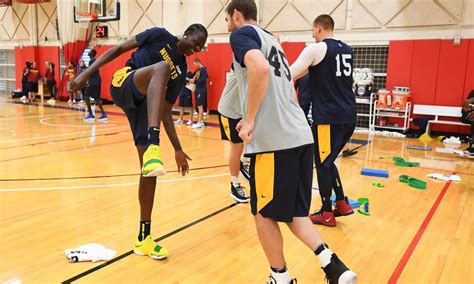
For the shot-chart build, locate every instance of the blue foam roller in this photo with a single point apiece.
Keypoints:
(359, 141)
(352, 202)
(374, 173)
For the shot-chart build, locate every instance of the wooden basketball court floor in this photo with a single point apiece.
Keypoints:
(65, 183)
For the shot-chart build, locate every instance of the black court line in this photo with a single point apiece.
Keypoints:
(61, 140)
(128, 253)
(67, 150)
(78, 109)
(83, 110)
(105, 176)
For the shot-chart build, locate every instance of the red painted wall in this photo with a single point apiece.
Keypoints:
(109, 69)
(424, 71)
(451, 73)
(292, 50)
(437, 71)
(51, 54)
(218, 59)
(469, 82)
(38, 54)
(399, 64)
(26, 53)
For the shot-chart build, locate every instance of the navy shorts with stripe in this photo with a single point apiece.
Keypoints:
(329, 140)
(228, 127)
(281, 183)
(133, 103)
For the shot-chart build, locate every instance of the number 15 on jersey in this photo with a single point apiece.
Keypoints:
(346, 68)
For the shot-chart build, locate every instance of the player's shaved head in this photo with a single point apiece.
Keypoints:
(325, 21)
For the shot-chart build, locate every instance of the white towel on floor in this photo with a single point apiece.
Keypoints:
(89, 252)
(452, 140)
(445, 177)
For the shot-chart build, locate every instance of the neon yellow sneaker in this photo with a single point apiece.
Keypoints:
(153, 162)
(149, 247)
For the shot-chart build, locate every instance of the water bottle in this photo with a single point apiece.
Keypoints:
(389, 101)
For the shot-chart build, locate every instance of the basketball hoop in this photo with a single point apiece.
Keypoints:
(86, 17)
(87, 11)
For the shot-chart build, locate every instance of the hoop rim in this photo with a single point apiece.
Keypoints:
(86, 16)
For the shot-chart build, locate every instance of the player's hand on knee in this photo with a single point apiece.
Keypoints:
(182, 162)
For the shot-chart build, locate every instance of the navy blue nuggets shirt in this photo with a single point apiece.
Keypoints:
(156, 45)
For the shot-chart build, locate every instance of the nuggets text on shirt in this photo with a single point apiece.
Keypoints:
(167, 58)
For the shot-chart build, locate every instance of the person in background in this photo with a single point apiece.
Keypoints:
(70, 74)
(93, 91)
(81, 66)
(186, 100)
(24, 80)
(468, 117)
(200, 79)
(229, 117)
(33, 78)
(329, 64)
(302, 86)
(50, 82)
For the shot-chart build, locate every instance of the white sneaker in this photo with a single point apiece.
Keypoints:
(81, 102)
(69, 102)
(51, 101)
(197, 125)
(74, 102)
(195, 113)
(179, 121)
(205, 113)
(189, 123)
(23, 98)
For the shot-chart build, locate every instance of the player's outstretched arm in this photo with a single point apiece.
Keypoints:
(108, 56)
(181, 157)
(258, 71)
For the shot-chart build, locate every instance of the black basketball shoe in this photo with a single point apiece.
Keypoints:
(244, 171)
(238, 193)
(337, 273)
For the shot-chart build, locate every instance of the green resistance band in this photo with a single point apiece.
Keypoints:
(378, 184)
(413, 182)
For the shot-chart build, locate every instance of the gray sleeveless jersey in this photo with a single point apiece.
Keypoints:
(280, 122)
(229, 103)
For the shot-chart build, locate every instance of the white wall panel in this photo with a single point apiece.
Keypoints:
(356, 20)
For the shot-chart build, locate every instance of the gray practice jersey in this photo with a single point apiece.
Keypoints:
(280, 122)
(229, 103)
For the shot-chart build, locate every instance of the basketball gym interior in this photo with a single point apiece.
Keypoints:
(65, 182)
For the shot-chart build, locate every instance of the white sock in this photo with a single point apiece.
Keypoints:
(325, 257)
(235, 181)
(283, 277)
